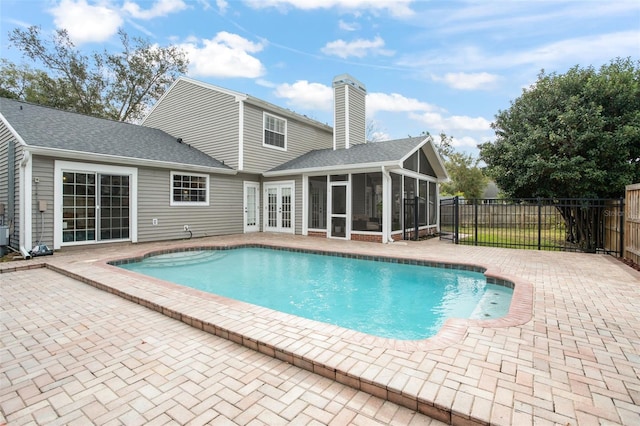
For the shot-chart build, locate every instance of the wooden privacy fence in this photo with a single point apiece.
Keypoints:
(632, 224)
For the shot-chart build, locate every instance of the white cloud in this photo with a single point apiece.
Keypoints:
(587, 50)
(525, 17)
(348, 26)
(358, 48)
(377, 136)
(305, 95)
(396, 8)
(582, 50)
(222, 6)
(266, 83)
(394, 103)
(86, 23)
(465, 142)
(226, 55)
(469, 81)
(437, 123)
(159, 8)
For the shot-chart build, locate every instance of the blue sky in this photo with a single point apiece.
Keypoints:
(428, 65)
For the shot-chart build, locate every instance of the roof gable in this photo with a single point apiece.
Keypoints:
(48, 128)
(373, 154)
(241, 97)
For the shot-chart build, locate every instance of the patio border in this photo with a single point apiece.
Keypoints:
(453, 331)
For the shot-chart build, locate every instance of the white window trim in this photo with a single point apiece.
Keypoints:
(69, 166)
(189, 203)
(286, 125)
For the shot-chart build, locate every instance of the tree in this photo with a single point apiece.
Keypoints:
(34, 86)
(575, 135)
(373, 132)
(141, 75)
(467, 178)
(117, 86)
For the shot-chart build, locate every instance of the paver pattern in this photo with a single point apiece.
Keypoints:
(72, 353)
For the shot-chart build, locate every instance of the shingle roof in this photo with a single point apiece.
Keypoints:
(369, 153)
(45, 127)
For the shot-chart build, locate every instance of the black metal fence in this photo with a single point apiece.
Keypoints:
(585, 225)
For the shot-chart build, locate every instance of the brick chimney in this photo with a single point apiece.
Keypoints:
(349, 127)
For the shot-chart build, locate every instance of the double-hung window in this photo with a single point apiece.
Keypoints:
(275, 132)
(189, 189)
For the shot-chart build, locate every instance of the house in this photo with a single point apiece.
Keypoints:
(208, 161)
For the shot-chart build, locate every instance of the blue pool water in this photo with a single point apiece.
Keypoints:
(385, 299)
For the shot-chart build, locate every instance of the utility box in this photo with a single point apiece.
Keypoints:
(4, 236)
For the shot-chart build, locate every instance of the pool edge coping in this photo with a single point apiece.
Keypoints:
(451, 333)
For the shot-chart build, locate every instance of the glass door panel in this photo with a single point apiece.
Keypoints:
(251, 206)
(279, 208)
(78, 207)
(285, 207)
(272, 207)
(114, 207)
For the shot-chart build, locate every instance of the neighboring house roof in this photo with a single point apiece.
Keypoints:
(373, 154)
(50, 131)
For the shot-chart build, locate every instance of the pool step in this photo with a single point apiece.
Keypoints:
(184, 258)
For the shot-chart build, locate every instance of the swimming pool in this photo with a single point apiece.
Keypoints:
(389, 298)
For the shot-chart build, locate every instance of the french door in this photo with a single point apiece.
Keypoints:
(279, 207)
(251, 207)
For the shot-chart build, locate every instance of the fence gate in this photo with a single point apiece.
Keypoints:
(410, 230)
(449, 219)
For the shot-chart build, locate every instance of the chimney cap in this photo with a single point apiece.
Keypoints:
(343, 79)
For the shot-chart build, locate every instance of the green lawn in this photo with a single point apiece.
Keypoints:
(550, 239)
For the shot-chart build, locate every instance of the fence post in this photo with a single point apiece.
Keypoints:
(416, 224)
(621, 224)
(475, 221)
(539, 223)
(455, 219)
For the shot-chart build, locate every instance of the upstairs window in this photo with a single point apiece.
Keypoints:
(189, 189)
(275, 132)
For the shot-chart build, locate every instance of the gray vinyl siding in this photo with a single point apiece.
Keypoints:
(204, 118)
(339, 127)
(43, 170)
(11, 217)
(224, 214)
(5, 136)
(300, 138)
(298, 198)
(357, 120)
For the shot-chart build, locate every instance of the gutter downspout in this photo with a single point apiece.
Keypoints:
(25, 201)
(386, 206)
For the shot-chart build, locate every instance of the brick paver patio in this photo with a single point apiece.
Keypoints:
(568, 353)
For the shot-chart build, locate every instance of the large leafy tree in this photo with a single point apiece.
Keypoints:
(35, 86)
(467, 178)
(118, 86)
(572, 135)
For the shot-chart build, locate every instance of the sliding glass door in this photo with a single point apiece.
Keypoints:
(95, 207)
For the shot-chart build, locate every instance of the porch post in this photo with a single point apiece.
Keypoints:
(386, 206)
